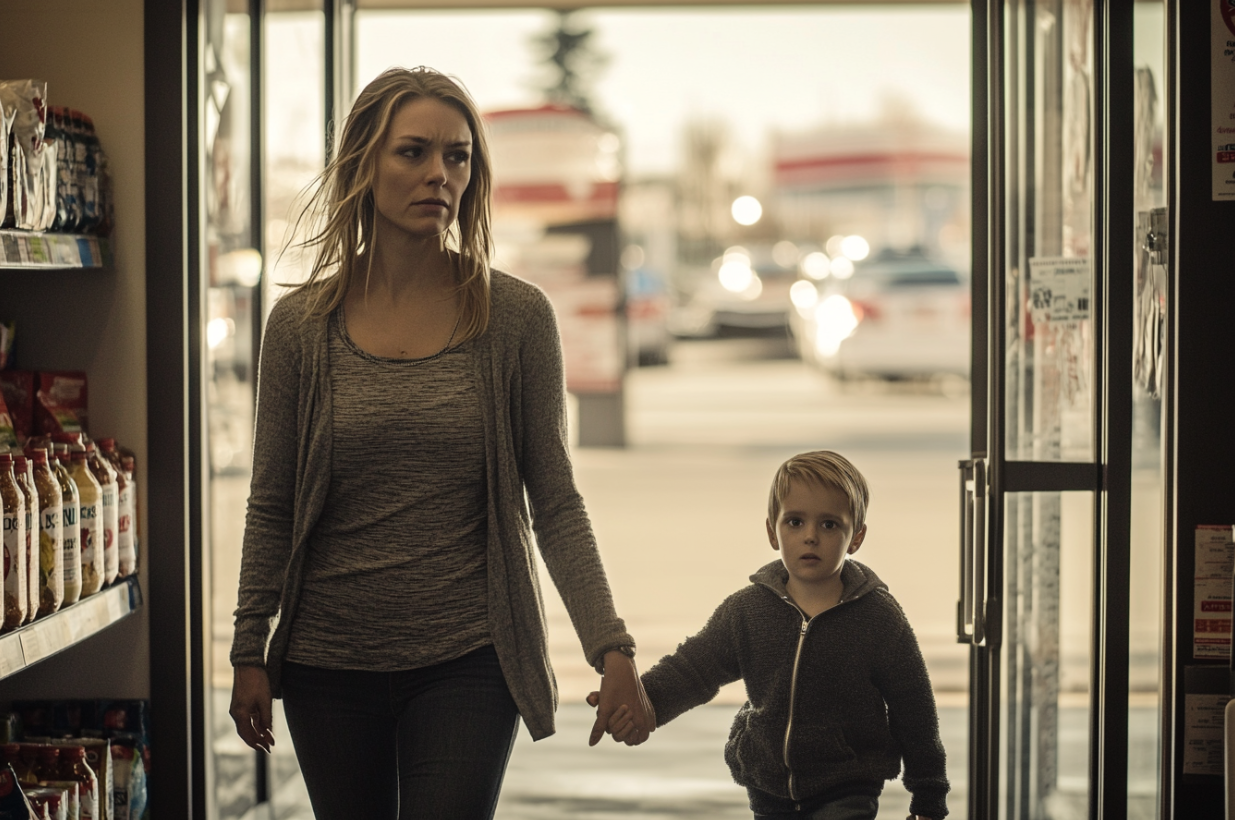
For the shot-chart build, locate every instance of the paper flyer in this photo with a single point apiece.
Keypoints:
(1222, 100)
(1059, 289)
(1204, 735)
(1215, 563)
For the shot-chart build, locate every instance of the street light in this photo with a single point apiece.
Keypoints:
(746, 210)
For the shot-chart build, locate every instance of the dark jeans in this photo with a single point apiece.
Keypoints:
(423, 743)
(853, 807)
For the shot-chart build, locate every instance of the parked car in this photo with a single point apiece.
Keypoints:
(900, 315)
(741, 290)
(647, 317)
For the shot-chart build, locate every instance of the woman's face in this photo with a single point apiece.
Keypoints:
(423, 168)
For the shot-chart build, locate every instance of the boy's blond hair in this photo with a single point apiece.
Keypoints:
(822, 467)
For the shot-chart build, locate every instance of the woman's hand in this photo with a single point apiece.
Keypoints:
(620, 687)
(251, 707)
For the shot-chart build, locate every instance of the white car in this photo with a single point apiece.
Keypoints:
(740, 291)
(900, 315)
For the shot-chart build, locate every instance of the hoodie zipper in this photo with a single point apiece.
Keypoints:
(793, 684)
(793, 690)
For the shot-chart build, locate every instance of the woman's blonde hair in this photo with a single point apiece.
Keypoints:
(341, 209)
(822, 467)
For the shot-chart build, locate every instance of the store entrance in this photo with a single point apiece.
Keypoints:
(735, 347)
(1062, 498)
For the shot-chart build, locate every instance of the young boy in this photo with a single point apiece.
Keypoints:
(837, 690)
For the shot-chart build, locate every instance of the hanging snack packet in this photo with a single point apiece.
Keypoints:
(8, 331)
(68, 390)
(8, 434)
(6, 130)
(35, 185)
(17, 387)
(13, 804)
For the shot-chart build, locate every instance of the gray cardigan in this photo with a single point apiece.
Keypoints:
(835, 702)
(519, 375)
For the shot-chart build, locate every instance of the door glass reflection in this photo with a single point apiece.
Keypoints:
(1050, 233)
(1046, 654)
(1146, 541)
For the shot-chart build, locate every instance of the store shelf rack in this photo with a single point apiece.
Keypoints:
(56, 251)
(73, 624)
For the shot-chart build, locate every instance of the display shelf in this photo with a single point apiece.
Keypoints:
(26, 249)
(27, 645)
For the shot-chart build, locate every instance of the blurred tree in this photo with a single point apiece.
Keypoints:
(573, 62)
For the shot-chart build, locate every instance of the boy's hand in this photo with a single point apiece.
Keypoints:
(621, 723)
(620, 687)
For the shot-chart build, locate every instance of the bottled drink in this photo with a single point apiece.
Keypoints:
(24, 472)
(54, 131)
(70, 525)
(73, 766)
(106, 477)
(90, 520)
(50, 533)
(126, 553)
(16, 599)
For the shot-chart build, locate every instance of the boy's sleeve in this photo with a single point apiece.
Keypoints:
(914, 722)
(702, 664)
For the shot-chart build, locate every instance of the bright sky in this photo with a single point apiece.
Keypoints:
(786, 68)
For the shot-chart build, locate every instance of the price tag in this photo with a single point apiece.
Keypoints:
(34, 643)
(117, 609)
(94, 615)
(74, 617)
(11, 656)
(40, 251)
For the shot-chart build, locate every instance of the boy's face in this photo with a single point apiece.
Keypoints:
(814, 532)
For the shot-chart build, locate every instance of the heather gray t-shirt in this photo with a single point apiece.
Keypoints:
(396, 572)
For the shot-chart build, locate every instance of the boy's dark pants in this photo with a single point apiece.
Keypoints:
(849, 807)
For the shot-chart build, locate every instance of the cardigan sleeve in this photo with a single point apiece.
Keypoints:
(268, 524)
(563, 531)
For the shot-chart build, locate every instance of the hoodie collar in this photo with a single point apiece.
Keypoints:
(856, 579)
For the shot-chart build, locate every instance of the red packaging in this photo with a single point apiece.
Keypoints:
(51, 417)
(8, 435)
(66, 389)
(18, 388)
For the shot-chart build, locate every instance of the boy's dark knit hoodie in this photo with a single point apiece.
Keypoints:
(835, 702)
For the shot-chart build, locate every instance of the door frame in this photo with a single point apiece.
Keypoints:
(1108, 477)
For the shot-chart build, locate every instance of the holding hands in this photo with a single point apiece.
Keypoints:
(622, 707)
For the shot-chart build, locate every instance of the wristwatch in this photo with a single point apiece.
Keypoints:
(626, 649)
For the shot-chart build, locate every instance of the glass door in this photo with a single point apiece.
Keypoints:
(1046, 497)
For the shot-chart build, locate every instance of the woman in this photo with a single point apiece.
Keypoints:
(410, 438)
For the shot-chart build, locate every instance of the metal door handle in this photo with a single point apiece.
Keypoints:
(965, 584)
(979, 552)
(970, 608)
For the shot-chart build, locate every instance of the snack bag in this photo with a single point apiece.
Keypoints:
(67, 390)
(34, 181)
(8, 434)
(129, 781)
(18, 388)
(52, 417)
(6, 131)
(8, 331)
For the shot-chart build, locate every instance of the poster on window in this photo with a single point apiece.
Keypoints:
(1059, 289)
(1222, 101)
(1215, 564)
